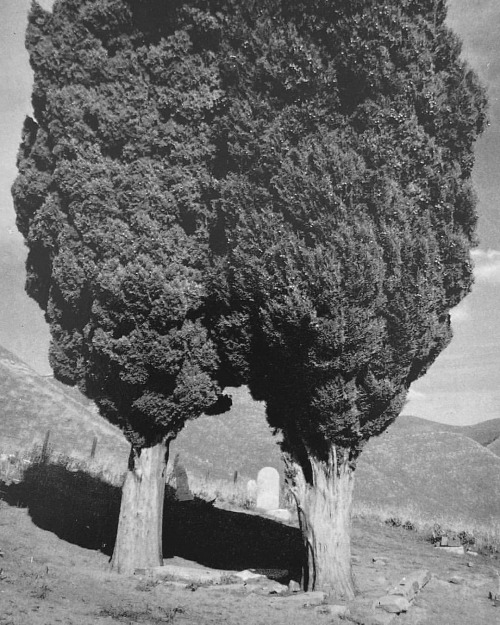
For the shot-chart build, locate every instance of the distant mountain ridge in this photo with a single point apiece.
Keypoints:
(485, 432)
(431, 466)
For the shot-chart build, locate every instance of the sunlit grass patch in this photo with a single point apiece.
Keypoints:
(476, 536)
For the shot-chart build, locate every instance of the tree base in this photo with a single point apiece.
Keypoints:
(324, 510)
(139, 536)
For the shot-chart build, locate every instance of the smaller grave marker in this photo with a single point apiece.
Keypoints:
(181, 482)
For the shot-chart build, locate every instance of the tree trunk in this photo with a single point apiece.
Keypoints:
(139, 536)
(324, 504)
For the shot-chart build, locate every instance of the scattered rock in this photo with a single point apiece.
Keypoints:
(247, 574)
(457, 580)
(495, 594)
(393, 603)
(265, 586)
(495, 598)
(470, 564)
(294, 586)
(380, 561)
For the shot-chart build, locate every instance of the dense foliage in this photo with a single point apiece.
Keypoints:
(345, 209)
(112, 199)
(289, 181)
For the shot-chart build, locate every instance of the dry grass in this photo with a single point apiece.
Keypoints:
(13, 465)
(477, 536)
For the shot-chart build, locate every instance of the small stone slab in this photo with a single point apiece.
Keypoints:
(247, 574)
(456, 551)
(393, 603)
(411, 585)
(294, 586)
(170, 572)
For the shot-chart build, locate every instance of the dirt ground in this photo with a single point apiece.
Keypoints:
(46, 580)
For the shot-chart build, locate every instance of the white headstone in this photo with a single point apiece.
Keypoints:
(252, 489)
(268, 489)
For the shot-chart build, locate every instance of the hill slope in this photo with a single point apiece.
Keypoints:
(436, 473)
(485, 433)
(32, 405)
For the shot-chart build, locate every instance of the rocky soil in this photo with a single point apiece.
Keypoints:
(46, 580)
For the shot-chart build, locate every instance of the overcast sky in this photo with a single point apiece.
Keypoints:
(463, 385)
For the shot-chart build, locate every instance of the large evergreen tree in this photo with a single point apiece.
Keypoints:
(345, 217)
(288, 181)
(112, 197)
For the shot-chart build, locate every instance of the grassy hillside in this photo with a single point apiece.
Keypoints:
(436, 473)
(495, 447)
(31, 405)
(485, 433)
(239, 440)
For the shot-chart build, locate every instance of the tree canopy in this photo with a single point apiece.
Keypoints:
(113, 199)
(346, 211)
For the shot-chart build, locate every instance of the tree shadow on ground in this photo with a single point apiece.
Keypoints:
(82, 509)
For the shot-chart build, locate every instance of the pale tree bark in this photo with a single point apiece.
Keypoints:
(139, 537)
(324, 505)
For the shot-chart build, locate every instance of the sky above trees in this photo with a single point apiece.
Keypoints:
(461, 387)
